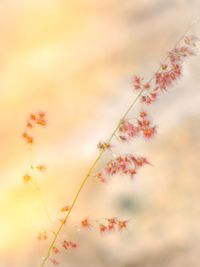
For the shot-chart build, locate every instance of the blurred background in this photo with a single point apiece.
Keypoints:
(75, 60)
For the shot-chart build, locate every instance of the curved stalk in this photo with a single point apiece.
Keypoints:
(85, 179)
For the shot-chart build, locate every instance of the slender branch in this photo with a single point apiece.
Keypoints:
(88, 175)
(85, 180)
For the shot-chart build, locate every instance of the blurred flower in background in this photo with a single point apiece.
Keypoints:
(75, 61)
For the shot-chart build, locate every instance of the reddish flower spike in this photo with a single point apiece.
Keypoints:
(127, 130)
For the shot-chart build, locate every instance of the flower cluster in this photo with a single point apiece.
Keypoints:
(167, 76)
(113, 224)
(126, 164)
(105, 225)
(66, 245)
(168, 73)
(143, 125)
(127, 130)
(38, 118)
(177, 55)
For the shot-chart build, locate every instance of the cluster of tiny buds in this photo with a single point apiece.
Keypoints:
(168, 73)
(105, 225)
(126, 164)
(143, 125)
(66, 245)
(112, 223)
(38, 118)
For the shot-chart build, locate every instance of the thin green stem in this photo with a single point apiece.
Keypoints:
(85, 179)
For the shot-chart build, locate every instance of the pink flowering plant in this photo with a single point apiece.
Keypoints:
(127, 130)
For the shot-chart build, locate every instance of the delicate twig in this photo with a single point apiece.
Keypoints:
(92, 168)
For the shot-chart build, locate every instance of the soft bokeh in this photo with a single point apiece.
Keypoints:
(74, 60)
